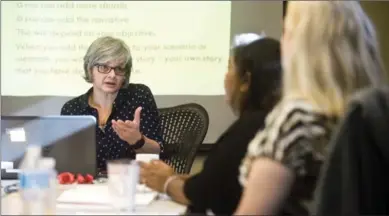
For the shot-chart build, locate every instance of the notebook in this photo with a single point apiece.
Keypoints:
(99, 195)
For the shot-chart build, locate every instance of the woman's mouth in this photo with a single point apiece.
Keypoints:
(110, 83)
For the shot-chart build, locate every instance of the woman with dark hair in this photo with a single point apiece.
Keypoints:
(252, 86)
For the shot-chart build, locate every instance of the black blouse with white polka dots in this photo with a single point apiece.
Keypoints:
(109, 145)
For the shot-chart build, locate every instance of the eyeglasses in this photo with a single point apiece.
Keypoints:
(105, 69)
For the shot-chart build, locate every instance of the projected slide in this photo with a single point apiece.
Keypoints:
(178, 47)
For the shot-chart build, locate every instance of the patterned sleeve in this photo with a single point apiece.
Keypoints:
(150, 121)
(294, 136)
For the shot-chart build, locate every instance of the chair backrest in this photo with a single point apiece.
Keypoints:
(184, 128)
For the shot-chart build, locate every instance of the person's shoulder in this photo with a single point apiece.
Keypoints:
(138, 88)
(253, 116)
(251, 119)
(293, 128)
(74, 101)
(296, 112)
(292, 106)
(297, 120)
(244, 128)
(73, 106)
(139, 92)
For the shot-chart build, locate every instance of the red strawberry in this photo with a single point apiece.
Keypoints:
(62, 178)
(66, 178)
(88, 179)
(71, 178)
(80, 179)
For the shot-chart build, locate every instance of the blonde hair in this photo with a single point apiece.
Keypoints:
(334, 53)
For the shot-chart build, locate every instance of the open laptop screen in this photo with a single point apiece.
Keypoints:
(68, 138)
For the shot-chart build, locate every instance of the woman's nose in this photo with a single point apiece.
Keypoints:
(112, 73)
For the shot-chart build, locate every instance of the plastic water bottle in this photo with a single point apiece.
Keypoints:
(32, 181)
(38, 183)
(47, 165)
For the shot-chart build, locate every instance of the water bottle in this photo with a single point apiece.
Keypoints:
(32, 181)
(47, 165)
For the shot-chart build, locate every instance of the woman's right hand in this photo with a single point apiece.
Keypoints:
(155, 174)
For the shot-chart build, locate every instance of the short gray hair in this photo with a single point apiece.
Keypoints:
(105, 49)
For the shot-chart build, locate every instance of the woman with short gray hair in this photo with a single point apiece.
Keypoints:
(127, 114)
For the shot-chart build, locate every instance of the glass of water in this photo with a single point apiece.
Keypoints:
(146, 158)
(123, 177)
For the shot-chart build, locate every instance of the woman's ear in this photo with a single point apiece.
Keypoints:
(244, 87)
(90, 71)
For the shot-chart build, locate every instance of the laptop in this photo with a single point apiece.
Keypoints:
(70, 140)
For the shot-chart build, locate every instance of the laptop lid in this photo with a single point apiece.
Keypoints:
(68, 139)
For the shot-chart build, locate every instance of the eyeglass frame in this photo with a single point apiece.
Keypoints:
(110, 69)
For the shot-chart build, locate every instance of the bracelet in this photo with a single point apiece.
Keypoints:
(167, 182)
(139, 144)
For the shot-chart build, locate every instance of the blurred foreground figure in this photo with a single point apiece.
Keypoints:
(329, 52)
(355, 177)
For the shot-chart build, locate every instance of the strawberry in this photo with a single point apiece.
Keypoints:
(88, 179)
(65, 178)
(80, 179)
(62, 179)
(71, 178)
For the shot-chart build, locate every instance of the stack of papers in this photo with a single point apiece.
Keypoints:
(99, 195)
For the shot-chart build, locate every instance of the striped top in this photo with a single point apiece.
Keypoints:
(296, 136)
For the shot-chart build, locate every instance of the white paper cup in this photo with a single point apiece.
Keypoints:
(147, 157)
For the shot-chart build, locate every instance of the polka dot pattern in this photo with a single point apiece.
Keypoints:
(109, 145)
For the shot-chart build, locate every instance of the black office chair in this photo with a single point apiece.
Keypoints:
(354, 178)
(184, 128)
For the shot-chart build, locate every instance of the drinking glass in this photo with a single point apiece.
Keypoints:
(123, 177)
(146, 158)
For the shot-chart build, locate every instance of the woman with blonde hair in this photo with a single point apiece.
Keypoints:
(330, 51)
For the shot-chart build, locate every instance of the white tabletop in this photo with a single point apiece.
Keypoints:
(11, 204)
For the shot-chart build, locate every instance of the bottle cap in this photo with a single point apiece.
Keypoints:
(47, 163)
(32, 156)
(33, 151)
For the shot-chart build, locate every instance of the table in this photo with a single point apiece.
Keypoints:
(11, 205)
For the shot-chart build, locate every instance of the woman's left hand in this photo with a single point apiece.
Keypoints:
(155, 174)
(129, 130)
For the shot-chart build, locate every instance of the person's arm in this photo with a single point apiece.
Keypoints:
(274, 164)
(160, 177)
(150, 124)
(184, 177)
(267, 187)
(151, 146)
(175, 189)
